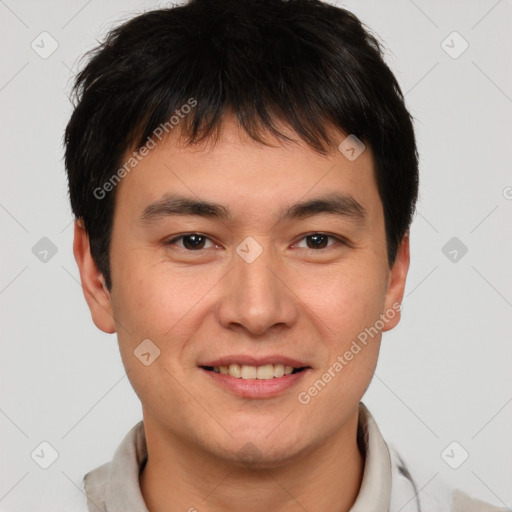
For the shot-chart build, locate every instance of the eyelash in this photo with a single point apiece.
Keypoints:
(337, 238)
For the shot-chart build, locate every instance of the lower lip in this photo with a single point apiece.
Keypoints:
(256, 388)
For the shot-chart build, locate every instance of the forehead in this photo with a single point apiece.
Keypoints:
(237, 170)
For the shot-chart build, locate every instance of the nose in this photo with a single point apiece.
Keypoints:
(257, 297)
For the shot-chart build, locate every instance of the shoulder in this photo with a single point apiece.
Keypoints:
(414, 489)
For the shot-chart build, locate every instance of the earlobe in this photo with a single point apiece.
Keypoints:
(396, 284)
(93, 283)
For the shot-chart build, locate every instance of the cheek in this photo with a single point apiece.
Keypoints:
(154, 301)
(346, 300)
(151, 304)
(166, 306)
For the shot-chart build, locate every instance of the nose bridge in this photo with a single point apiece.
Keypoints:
(255, 296)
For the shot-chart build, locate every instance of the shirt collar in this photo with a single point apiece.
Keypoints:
(114, 487)
(375, 490)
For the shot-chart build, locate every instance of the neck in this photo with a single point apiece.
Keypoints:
(178, 477)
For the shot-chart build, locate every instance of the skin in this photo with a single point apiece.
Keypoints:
(304, 303)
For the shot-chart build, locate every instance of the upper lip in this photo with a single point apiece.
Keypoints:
(254, 361)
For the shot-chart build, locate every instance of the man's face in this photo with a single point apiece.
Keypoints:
(256, 287)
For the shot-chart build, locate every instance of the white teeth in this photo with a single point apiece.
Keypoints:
(235, 370)
(278, 370)
(265, 372)
(244, 371)
(249, 372)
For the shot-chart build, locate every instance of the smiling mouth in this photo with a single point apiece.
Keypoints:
(266, 372)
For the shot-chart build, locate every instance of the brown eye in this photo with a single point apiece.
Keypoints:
(190, 242)
(318, 241)
(193, 242)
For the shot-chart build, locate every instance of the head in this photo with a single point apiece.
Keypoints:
(243, 175)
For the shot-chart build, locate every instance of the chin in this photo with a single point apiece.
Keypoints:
(260, 448)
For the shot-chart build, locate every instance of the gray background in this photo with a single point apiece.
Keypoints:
(444, 373)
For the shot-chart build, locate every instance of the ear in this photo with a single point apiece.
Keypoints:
(93, 283)
(396, 283)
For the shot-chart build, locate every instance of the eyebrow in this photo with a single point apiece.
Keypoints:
(341, 205)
